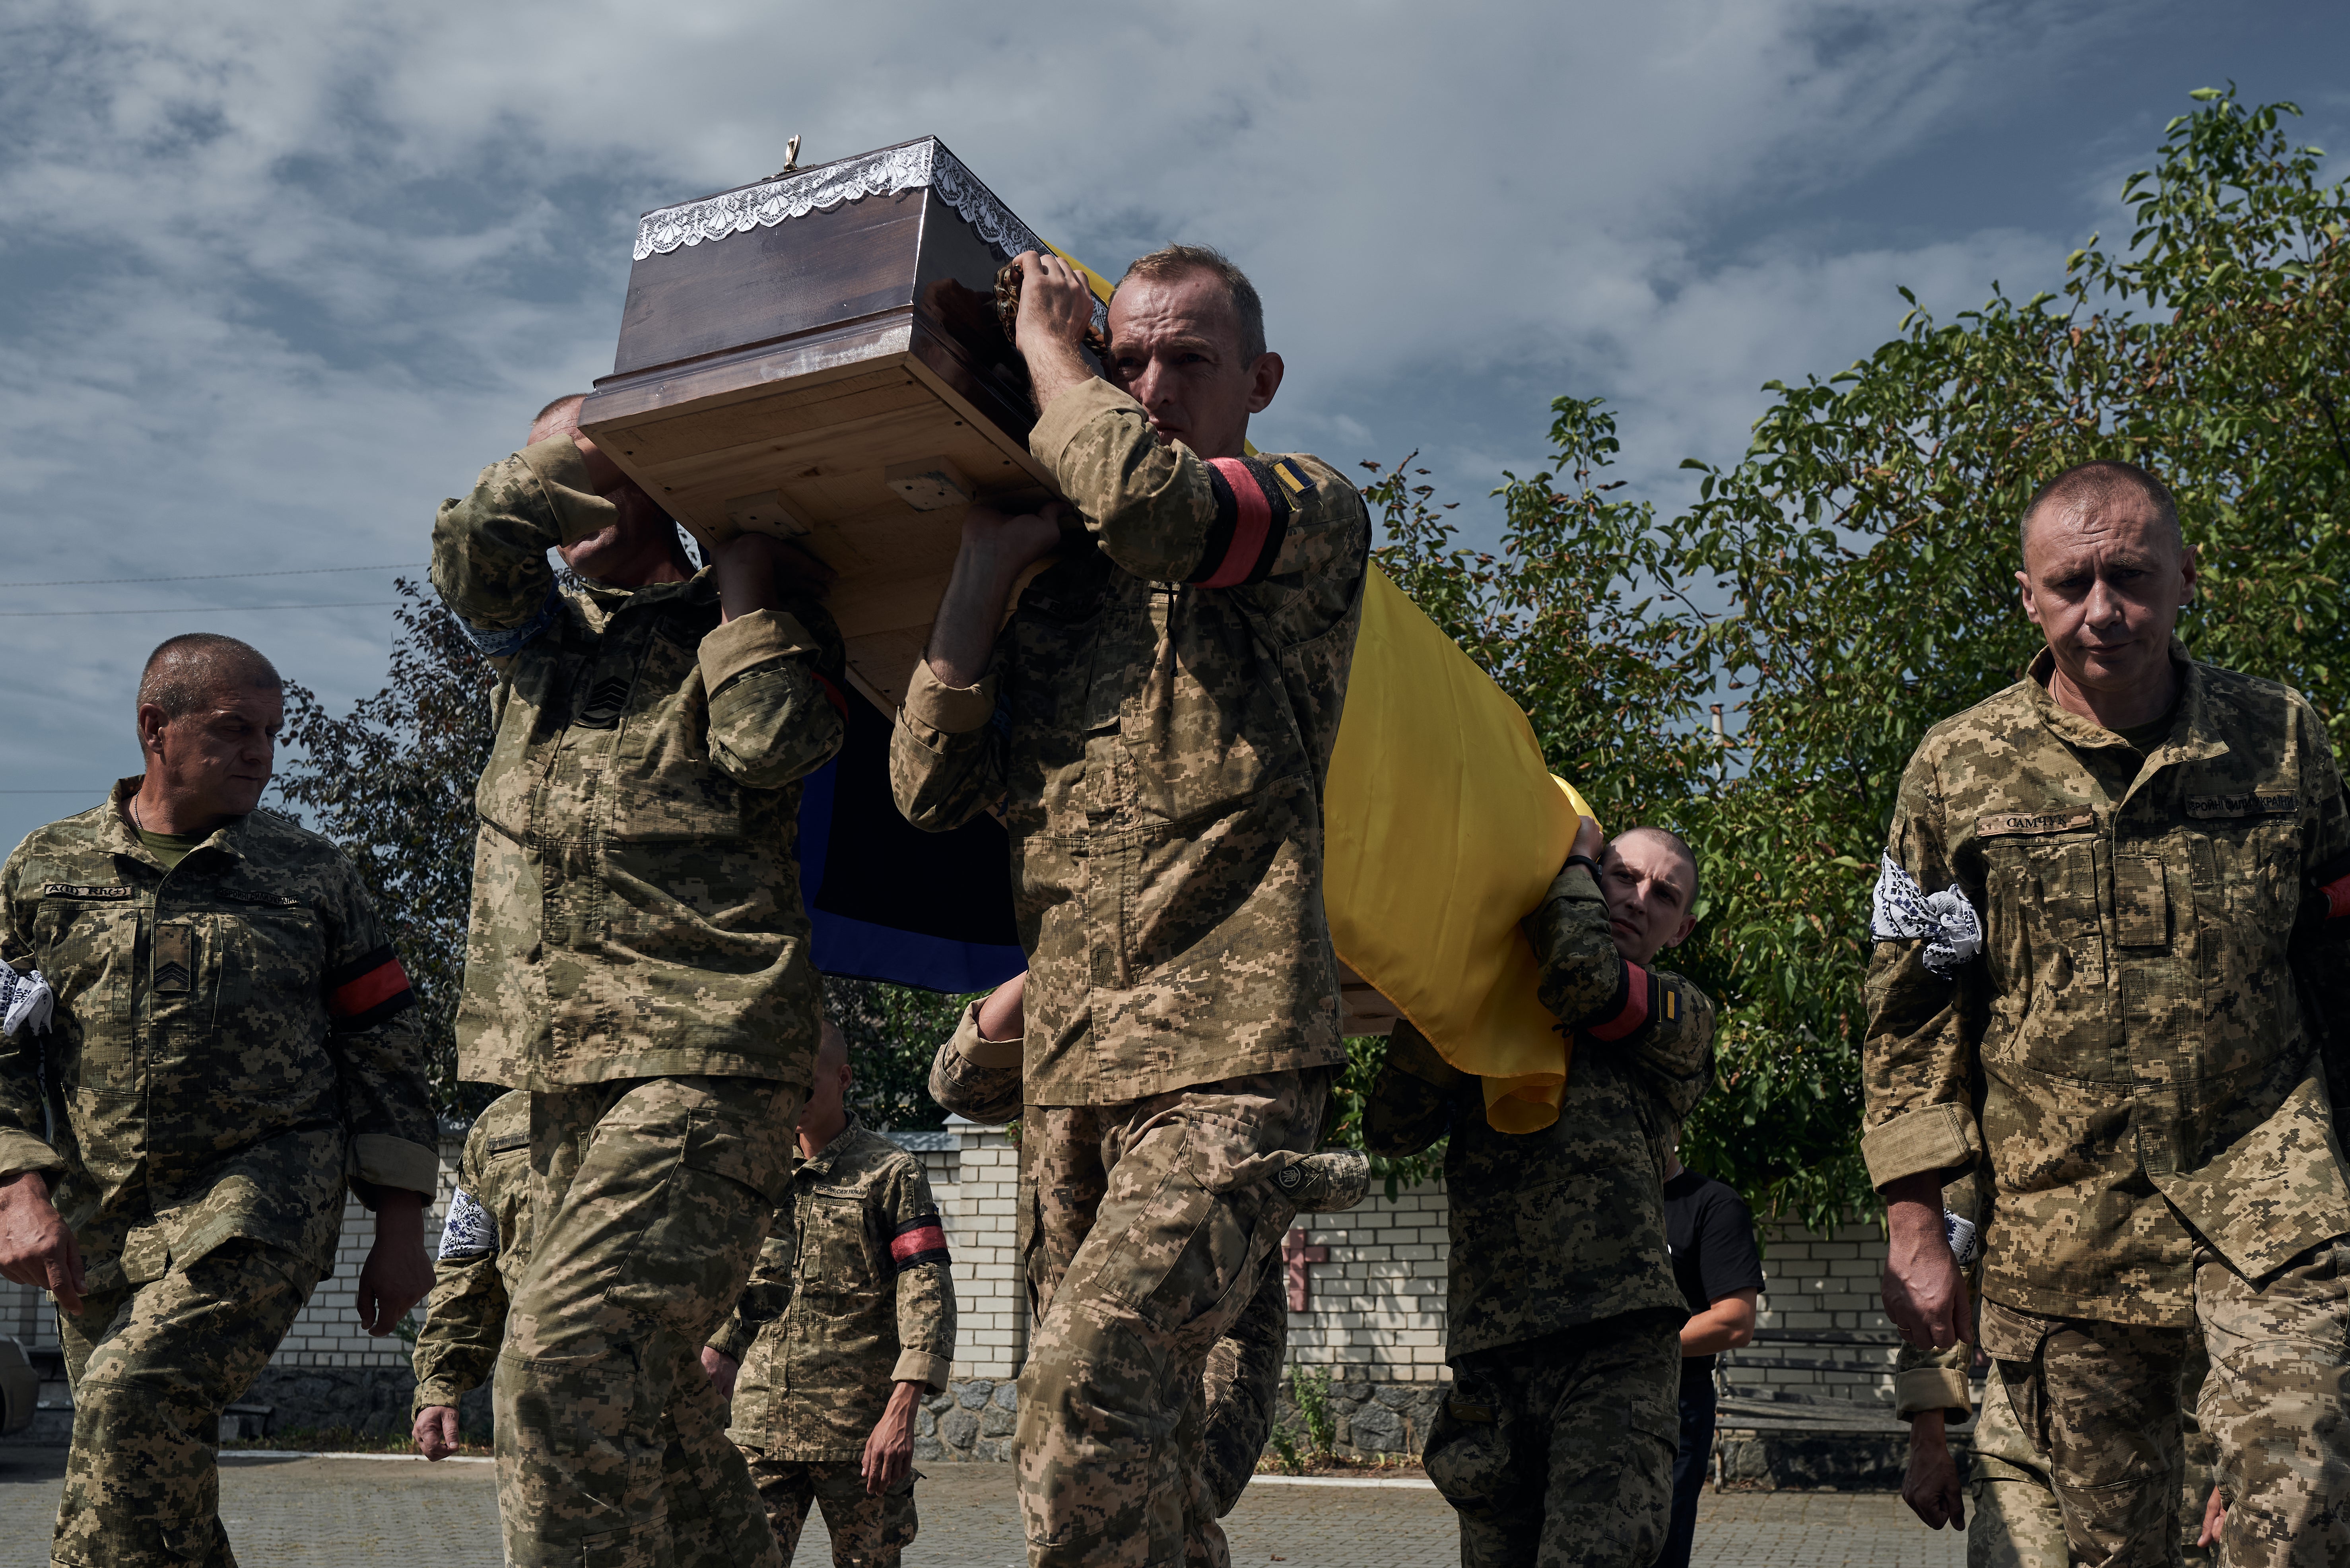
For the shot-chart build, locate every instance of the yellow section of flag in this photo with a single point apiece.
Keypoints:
(1442, 829)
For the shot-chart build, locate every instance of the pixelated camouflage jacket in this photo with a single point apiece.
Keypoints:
(1557, 1228)
(1157, 720)
(636, 896)
(2148, 1075)
(851, 1293)
(484, 1242)
(976, 1077)
(234, 1041)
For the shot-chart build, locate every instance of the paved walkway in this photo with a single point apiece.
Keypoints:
(358, 1512)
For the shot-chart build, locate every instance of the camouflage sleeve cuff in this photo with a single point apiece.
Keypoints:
(381, 1160)
(979, 1050)
(20, 1151)
(562, 474)
(950, 710)
(1071, 412)
(1924, 1388)
(1944, 1140)
(748, 641)
(437, 1391)
(920, 1366)
(733, 1339)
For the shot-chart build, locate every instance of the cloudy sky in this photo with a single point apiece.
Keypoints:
(275, 277)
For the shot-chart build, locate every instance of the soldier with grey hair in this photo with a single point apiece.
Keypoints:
(209, 1040)
(2109, 895)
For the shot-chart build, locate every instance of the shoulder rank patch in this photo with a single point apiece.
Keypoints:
(2243, 803)
(2008, 824)
(84, 890)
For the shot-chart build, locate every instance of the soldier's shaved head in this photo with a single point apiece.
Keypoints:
(1679, 846)
(185, 672)
(559, 414)
(832, 1050)
(2099, 486)
(1175, 261)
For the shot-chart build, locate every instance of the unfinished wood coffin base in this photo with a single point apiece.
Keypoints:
(817, 356)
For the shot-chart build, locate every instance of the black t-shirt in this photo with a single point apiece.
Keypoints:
(1712, 1240)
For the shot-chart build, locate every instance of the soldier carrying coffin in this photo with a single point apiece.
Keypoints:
(637, 959)
(224, 1041)
(1157, 720)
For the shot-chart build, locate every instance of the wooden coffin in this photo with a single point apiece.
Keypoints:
(817, 355)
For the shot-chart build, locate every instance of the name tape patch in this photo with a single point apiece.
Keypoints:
(83, 890)
(2247, 803)
(2009, 824)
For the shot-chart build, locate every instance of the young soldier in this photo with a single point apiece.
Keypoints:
(214, 1026)
(976, 1073)
(2106, 893)
(638, 960)
(484, 1242)
(1157, 720)
(848, 1322)
(1564, 1318)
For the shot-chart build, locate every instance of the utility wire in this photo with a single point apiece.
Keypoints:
(217, 576)
(207, 609)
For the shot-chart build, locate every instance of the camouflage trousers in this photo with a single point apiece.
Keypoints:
(2015, 1520)
(867, 1531)
(1145, 1227)
(1559, 1451)
(2101, 1401)
(152, 1367)
(1238, 1388)
(650, 1197)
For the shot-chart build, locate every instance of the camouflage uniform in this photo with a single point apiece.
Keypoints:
(233, 1044)
(1562, 1317)
(638, 960)
(852, 1296)
(485, 1244)
(980, 1078)
(1157, 720)
(2154, 1109)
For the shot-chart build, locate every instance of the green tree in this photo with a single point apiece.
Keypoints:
(391, 781)
(1856, 569)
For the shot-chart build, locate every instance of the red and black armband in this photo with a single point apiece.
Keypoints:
(368, 990)
(1635, 1002)
(921, 1240)
(1255, 503)
(2331, 882)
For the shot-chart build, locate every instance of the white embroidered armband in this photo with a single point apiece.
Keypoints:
(25, 1001)
(1899, 910)
(468, 1233)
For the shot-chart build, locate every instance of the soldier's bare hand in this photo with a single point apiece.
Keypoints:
(1009, 543)
(889, 1451)
(37, 1247)
(1055, 303)
(1931, 1486)
(2215, 1520)
(436, 1431)
(1588, 839)
(721, 1368)
(759, 571)
(1925, 1293)
(397, 1274)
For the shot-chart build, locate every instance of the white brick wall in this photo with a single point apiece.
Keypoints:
(1376, 1304)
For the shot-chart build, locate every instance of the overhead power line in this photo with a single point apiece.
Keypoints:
(207, 609)
(219, 577)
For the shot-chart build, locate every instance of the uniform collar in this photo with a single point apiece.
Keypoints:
(823, 1163)
(610, 598)
(2195, 733)
(120, 837)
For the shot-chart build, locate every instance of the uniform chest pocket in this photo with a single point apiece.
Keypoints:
(834, 1259)
(87, 953)
(2044, 928)
(265, 956)
(2246, 858)
(664, 784)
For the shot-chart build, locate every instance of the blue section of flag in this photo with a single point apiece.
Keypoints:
(870, 950)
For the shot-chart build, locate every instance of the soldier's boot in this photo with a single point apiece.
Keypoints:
(1327, 1182)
